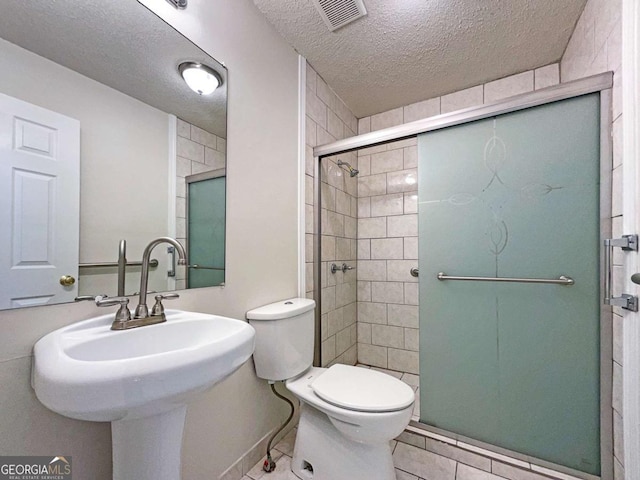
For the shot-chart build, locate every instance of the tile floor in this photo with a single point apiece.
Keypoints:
(412, 463)
(282, 456)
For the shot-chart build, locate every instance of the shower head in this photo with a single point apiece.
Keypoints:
(352, 171)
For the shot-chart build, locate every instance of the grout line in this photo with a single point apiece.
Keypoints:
(493, 455)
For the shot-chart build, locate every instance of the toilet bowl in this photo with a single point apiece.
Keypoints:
(348, 414)
(334, 441)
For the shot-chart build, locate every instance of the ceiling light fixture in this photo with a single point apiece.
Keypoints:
(181, 4)
(201, 79)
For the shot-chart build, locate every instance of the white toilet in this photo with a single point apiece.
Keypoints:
(348, 414)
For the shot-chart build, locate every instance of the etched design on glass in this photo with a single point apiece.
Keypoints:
(457, 199)
(498, 236)
(495, 157)
(538, 190)
(461, 199)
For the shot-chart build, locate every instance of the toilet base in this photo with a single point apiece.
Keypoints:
(321, 452)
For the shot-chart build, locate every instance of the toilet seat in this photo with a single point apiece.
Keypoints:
(362, 389)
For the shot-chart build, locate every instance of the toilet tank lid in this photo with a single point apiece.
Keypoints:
(282, 309)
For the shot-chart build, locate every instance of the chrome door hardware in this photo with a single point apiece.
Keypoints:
(414, 272)
(635, 278)
(626, 243)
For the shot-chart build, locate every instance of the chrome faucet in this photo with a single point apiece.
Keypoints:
(142, 311)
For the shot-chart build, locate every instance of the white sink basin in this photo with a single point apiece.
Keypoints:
(90, 372)
(139, 380)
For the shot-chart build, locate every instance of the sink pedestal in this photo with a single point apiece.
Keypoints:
(148, 448)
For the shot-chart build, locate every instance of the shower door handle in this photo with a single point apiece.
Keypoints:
(626, 243)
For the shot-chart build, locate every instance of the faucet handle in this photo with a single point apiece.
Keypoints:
(89, 297)
(158, 308)
(123, 314)
(104, 301)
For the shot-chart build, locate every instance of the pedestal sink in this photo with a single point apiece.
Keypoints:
(139, 380)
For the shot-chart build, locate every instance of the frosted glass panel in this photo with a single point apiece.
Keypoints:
(206, 242)
(511, 364)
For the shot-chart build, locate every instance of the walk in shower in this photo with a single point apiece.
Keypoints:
(478, 250)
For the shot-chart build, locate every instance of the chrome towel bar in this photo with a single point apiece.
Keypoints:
(562, 280)
(201, 267)
(152, 263)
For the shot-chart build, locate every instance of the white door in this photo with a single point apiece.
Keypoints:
(39, 204)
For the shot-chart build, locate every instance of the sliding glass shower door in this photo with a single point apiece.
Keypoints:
(513, 364)
(206, 207)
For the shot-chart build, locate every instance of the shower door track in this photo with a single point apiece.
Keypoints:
(584, 86)
(602, 83)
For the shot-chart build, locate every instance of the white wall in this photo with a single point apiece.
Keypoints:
(261, 259)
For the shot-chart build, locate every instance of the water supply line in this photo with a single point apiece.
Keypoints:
(269, 465)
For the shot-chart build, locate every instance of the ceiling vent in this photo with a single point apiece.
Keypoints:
(338, 13)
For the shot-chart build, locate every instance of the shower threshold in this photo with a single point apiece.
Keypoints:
(501, 462)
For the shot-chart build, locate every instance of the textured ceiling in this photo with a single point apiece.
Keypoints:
(119, 43)
(405, 51)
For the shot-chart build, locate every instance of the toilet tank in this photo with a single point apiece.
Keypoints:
(284, 338)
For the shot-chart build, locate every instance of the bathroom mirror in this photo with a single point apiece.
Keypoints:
(101, 140)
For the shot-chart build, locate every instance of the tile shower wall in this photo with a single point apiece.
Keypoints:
(197, 151)
(387, 251)
(595, 47)
(328, 119)
(338, 247)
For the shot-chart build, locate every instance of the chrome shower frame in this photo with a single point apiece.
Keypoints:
(603, 84)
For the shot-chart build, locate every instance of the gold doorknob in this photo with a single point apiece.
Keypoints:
(67, 280)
